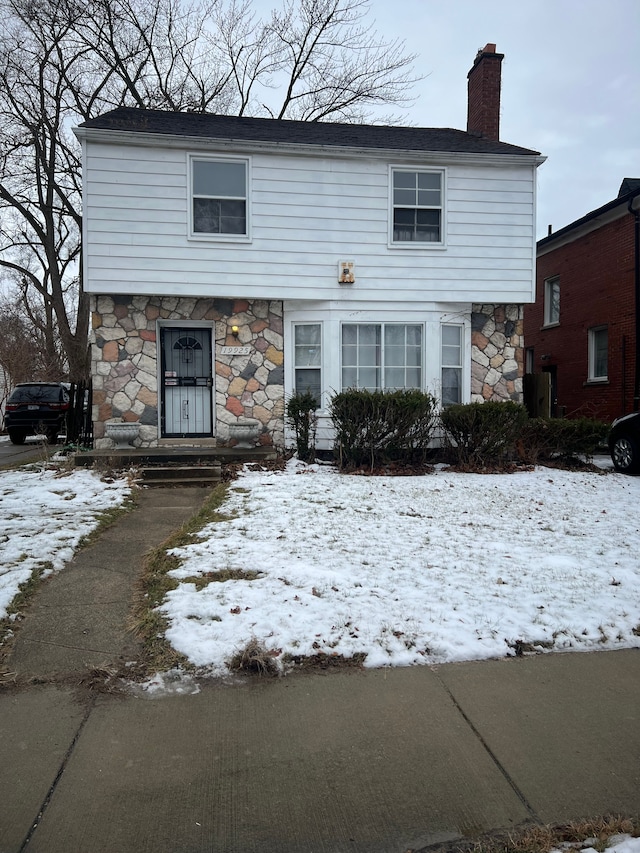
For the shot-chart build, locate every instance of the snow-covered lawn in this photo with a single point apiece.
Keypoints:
(43, 516)
(427, 569)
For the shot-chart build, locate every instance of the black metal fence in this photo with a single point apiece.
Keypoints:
(79, 421)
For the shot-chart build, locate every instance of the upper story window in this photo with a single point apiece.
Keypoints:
(598, 354)
(552, 301)
(219, 198)
(417, 207)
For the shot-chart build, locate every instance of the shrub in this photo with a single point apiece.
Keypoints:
(544, 439)
(481, 434)
(301, 417)
(372, 427)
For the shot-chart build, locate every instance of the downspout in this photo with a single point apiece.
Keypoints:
(636, 379)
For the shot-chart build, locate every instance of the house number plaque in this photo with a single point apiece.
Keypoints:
(235, 350)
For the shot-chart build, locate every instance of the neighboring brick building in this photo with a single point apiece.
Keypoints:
(582, 329)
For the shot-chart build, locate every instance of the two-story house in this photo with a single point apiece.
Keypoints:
(233, 260)
(583, 329)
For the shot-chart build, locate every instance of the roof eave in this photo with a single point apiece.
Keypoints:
(141, 138)
(590, 222)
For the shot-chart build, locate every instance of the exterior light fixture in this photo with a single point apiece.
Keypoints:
(235, 331)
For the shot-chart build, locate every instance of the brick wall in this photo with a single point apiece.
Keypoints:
(596, 289)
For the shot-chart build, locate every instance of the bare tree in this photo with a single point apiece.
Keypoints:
(64, 61)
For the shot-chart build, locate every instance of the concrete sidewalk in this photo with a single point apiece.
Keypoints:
(381, 761)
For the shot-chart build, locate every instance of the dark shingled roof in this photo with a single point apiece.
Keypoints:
(629, 185)
(209, 126)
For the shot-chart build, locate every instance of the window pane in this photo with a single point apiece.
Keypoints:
(308, 381)
(307, 349)
(451, 335)
(451, 385)
(369, 378)
(429, 180)
(350, 356)
(219, 179)
(206, 216)
(404, 196)
(349, 334)
(394, 335)
(451, 356)
(404, 179)
(552, 300)
(349, 378)
(429, 198)
(369, 334)
(414, 335)
(600, 346)
(404, 216)
(414, 356)
(369, 356)
(413, 377)
(308, 335)
(394, 378)
(394, 356)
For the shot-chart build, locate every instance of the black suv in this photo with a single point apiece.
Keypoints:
(36, 408)
(624, 444)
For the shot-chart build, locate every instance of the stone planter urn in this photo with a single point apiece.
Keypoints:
(122, 433)
(245, 432)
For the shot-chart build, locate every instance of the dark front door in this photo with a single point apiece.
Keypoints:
(187, 405)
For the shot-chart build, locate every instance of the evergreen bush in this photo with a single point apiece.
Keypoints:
(374, 427)
(477, 435)
(301, 417)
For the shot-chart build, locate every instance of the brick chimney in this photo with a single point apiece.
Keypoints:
(483, 105)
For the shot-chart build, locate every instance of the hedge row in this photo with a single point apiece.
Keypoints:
(376, 427)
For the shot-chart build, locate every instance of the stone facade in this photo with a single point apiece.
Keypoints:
(125, 352)
(497, 352)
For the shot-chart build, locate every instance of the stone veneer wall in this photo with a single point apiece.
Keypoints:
(497, 352)
(124, 362)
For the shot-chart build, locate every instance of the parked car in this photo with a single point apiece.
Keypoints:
(36, 408)
(624, 444)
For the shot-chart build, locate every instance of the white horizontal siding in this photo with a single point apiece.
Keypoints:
(307, 214)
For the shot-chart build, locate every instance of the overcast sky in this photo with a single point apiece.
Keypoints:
(570, 85)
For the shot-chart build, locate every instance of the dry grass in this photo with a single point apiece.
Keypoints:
(254, 659)
(595, 832)
(200, 581)
(149, 625)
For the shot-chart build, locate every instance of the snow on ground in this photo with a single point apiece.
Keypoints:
(427, 569)
(43, 515)
(615, 844)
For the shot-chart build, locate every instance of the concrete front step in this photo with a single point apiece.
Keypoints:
(182, 475)
(187, 456)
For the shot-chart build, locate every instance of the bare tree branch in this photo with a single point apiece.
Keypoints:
(65, 61)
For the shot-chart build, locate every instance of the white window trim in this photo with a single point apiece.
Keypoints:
(461, 366)
(411, 245)
(218, 238)
(294, 325)
(591, 377)
(546, 304)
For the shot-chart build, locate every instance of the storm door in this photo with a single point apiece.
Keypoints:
(186, 382)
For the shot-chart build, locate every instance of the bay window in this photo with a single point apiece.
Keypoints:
(382, 356)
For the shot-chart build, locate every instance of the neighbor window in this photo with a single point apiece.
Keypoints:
(529, 360)
(451, 358)
(219, 190)
(381, 356)
(552, 301)
(307, 359)
(598, 353)
(417, 206)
